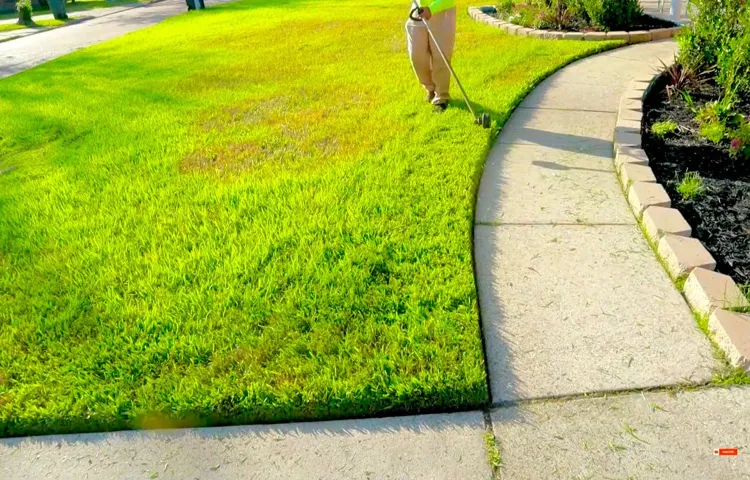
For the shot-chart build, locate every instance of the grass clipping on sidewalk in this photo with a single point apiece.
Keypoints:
(246, 214)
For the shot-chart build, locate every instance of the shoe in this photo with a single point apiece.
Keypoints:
(430, 97)
(440, 107)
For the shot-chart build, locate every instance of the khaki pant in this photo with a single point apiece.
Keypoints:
(430, 68)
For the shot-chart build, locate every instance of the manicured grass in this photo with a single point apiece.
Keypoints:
(263, 223)
(79, 6)
(12, 26)
(40, 24)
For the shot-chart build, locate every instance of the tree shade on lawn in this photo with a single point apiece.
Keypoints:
(246, 214)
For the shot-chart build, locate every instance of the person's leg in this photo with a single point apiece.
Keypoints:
(443, 26)
(419, 53)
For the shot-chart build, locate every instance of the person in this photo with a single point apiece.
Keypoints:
(429, 66)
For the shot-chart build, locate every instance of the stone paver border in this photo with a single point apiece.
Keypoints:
(483, 15)
(710, 294)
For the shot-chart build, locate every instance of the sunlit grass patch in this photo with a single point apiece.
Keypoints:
(246, 214)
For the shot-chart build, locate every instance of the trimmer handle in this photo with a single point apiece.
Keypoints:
(417, 10)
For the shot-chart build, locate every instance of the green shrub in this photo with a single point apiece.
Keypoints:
(713, 23)
(662, 129)
(613, 14)
(716, 111)
(714, 117)
(691, 186)
(557, 16)
(718, 35)
(571, 14)
(713, 131)
(504, 7)
(578, 8)
(740, 138)
(733, 61)
(526, 17)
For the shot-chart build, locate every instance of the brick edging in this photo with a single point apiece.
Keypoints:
(709, 293)
(639, 36)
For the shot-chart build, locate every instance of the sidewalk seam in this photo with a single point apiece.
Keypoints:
(560, 109)
(553, 224)
(605, 393)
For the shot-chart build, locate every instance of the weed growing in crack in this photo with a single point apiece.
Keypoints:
(493, 451)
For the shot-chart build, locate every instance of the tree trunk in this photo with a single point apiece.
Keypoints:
(58, 9)
(24, 17)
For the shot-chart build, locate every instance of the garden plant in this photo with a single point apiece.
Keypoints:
(697, 125)
(579, 15)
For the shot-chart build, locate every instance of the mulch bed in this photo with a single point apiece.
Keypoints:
(644, 22)
(721, 217)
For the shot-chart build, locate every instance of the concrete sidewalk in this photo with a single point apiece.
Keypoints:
(83, 15)
(573, 299)
(574, 302)
(659, 436)
(429, 447)
(655, 436)
(92, 13)
(23, 53)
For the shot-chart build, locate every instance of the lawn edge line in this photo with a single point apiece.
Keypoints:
(601, 47)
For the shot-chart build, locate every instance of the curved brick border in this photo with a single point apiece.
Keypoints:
(709, 293)
(639, 36)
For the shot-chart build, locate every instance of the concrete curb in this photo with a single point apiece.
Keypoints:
(640, 36)
(709, 293)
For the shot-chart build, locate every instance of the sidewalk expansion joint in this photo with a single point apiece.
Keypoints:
(607, 393)
(582, 110)
(554, 224)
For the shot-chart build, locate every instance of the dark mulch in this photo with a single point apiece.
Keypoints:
(644, 22)
(721, 217)
(647, 22)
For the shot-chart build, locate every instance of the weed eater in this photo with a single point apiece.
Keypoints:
(483, 119)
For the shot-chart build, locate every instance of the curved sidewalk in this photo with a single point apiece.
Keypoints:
(573, 300)
(23, 53)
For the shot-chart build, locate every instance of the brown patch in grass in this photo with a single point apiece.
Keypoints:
(251, 112)
(278, 131)
(226, 159)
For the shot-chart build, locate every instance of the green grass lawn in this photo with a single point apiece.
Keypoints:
(263, 223)
(41, 24)
(79, 6)
(11, 26)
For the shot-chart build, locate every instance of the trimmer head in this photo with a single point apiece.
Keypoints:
(484, 120)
